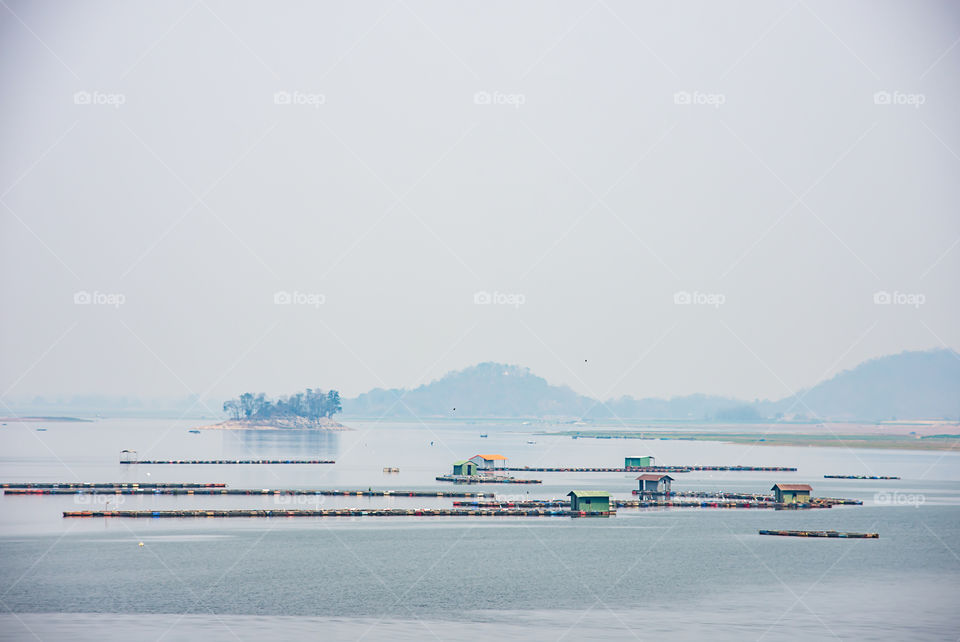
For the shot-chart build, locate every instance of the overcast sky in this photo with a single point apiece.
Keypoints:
(659, 198)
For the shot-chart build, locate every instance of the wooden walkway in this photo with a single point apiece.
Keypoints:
(650, 469)
(836, 534)
(226, 461)
(335, 512)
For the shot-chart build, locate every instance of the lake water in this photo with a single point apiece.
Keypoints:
(681, 573)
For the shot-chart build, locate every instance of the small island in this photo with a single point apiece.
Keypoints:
(307, 410)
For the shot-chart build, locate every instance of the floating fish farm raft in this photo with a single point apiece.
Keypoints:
(227, 461)
(651, 469)
(486, 479)
(340, 512)
(703, 501)
(836, 534)
(756, 497)
(239, 491)
(651, 503)
(98, 486)
(857, 477)
(484, 500)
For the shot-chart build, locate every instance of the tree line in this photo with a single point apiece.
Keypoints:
(311, 404)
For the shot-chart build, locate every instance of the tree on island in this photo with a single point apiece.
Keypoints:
(309, 404)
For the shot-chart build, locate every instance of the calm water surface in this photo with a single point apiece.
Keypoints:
(644, 574)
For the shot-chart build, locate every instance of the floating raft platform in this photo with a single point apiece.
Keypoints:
(240, 491)
(652, 469)
(227, 461)
(822, 534)
(106, 485)
(532, 503)
(756, 497)
(488, 499)
(339, 512)
(857, 477)
(641, 503)
(486, 479)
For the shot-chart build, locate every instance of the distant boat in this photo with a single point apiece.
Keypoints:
(483, 436)
(196, 432)
(41, 430)
(531, 442)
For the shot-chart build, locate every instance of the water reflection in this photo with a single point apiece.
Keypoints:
(319, 444)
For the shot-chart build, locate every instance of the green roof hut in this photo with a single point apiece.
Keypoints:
(589, 501)
(465, 467)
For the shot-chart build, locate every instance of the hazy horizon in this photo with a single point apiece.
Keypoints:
(626, 199)
(212, 405)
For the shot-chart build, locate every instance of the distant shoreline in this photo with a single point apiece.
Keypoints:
(36, 419)
(292, 423)
(944, 441)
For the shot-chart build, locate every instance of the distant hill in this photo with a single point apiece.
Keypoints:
(484, 390)
(909, 385)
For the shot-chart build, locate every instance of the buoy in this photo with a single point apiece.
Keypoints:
(140, 544)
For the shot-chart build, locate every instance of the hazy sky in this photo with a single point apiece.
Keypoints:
(383, 162)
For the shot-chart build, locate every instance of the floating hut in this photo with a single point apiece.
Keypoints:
(638, 462)
(465, 467)
(489, 462)
(655, 483)
(792, 493)
(589, 501)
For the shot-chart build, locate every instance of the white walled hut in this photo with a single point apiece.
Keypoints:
(489, 462)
